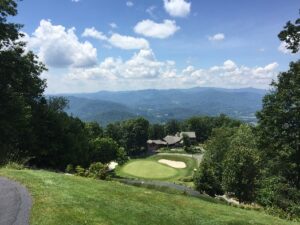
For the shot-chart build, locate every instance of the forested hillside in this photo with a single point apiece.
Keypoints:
(163, 105)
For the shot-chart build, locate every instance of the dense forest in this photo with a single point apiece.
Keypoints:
(253, 163)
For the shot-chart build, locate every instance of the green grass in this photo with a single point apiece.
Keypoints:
(151, 169)
(69, 200)
(148, 169)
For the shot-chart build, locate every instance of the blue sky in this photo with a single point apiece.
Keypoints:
(92, 45)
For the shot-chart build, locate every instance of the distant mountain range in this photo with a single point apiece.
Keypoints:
(162, 105)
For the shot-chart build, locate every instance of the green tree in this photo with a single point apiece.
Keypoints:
(186, 141)
(58, 139)
(204, 125)
(241, 166)
(291, 35)
(279, 126)
(104, 150)
(208, 178)
(93, 130)
(135, 135)
(205, 179)
(156, 131)
(172, 127)
(20, 86)
(114, 131)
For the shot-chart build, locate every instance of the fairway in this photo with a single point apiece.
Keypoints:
(149, 169)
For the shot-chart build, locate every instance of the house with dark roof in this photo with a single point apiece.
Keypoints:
(170, 140)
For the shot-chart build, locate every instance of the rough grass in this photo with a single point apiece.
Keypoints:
(151, 169)
(69, 200)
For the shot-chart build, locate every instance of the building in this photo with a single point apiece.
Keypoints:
(170, 140)
(155, 144)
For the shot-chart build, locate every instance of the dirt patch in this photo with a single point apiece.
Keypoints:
(174, 164)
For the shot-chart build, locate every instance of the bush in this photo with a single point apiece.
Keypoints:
(80, 171)
(121, 156)
(279, 197)
(15, 166)
(69, 168)
(98, 171)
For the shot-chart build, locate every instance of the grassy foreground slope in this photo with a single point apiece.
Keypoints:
(61, 199)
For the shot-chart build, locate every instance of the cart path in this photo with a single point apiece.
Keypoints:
(15, 203)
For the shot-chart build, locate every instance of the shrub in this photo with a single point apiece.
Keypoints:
(98, 171)
(80, 171)
(279, 197)
(121, 156)
(69, 168)
(15, 166)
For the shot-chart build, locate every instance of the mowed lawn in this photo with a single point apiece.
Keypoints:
(59, 199)
(150, 168)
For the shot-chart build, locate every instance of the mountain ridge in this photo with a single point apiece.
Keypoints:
(160, 105)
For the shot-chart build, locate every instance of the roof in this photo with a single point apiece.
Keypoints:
(172, 139)
(157, 142)
(190, 134)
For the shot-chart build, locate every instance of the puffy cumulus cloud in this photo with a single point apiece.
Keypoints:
(217, 37)
(59, 47)
(143, 70)
(128, 42)
(157, 30)
(117, 40)
(231, 75)
(177, 8)
(142, 65)
(92, 32)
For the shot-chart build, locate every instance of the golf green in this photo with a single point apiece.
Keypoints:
(148, 169)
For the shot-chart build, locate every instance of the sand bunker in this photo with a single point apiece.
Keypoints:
(174, 164)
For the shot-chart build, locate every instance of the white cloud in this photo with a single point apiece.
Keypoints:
(283, 48)
(263, 71)
(142, 65)
(128, 42)
(117, 40)
(217, 37)
(59, 47)
(157, 30)
(143, 70)
(113, 25)
(177, 8)
(92, 32)
(231, 75)
(129, 3)
(75, 1)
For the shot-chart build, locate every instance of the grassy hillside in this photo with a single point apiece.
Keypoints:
(61, 199)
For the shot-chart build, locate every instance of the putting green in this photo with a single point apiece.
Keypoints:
(149, 170)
